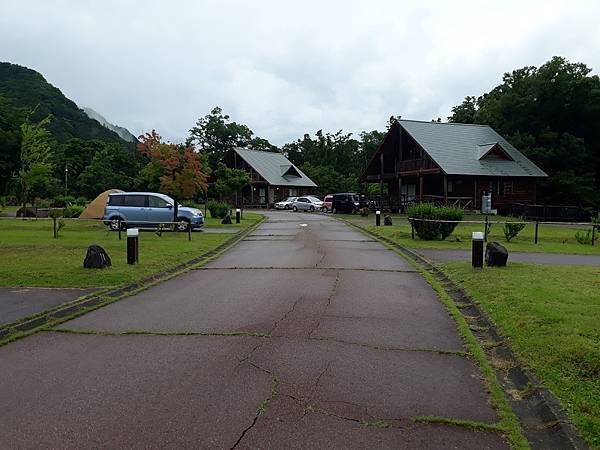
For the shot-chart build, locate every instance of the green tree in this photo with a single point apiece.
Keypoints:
(111, 168)
(229, 180)
(35, 173)
(215, 134)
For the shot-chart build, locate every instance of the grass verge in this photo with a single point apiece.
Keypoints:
(30, 256)
(551, 314)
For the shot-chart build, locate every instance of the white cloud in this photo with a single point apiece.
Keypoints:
(286, 68)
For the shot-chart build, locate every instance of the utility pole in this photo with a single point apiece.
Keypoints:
(66, 179)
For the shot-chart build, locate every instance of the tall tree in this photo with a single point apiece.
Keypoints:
(35, 173)
(229, 180)
(179, 168)
(215, 134)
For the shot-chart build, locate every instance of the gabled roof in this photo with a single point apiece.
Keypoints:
(460, 149)
(275, 168)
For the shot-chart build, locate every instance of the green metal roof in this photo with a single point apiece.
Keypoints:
(275, 168)
(457, 149)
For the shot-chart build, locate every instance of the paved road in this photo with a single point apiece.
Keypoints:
(306, 335)
(443, 256)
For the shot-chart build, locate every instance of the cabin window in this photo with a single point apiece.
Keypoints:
(449, 185)
(508, 187)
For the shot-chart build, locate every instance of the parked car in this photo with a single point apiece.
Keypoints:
(307, 204)
(346, 202)
(148, 209)
(327, 203)
(285, 204)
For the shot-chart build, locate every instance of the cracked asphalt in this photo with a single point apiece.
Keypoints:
(307, 334)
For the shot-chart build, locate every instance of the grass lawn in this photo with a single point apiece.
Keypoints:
(552, 316)
(551, 238)
(30, 256)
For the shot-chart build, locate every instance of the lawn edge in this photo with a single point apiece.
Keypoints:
(550, 427)
(45, 320)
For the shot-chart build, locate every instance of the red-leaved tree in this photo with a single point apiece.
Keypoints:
(180, 169)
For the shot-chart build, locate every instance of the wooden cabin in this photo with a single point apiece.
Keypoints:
(450, 163)
(273, 178)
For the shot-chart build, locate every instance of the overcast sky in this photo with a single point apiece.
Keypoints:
(285, 68)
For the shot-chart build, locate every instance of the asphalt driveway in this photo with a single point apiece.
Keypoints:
(307, 334)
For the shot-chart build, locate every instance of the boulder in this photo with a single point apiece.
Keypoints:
(96, 258)
(226, 220)
(387, 220)
(495, 254)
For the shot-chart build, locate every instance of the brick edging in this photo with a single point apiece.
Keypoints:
(542, 417)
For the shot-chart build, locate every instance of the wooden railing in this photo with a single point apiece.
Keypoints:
(410, 165)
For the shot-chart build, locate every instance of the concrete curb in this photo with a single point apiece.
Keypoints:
(544, 421)
(96, 299)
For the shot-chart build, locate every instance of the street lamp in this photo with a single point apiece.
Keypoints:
(66, 179)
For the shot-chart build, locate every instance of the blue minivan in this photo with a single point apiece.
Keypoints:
(148, 209)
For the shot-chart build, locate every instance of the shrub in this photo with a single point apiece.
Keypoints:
(81, 201)
(434, 230)
(584, 237)
(62, 201)
(364, 211)
(512, 229)
(218, 210)
(190, 204)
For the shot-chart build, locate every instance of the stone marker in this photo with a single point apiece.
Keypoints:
(496, 255)
(226, 220)
(387, 220)
(96, 258)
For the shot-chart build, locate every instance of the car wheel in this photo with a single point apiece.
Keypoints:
(312, 209)
(114, 223)
(287, 206)
(182, 224)
(295, 208)
(325, 210)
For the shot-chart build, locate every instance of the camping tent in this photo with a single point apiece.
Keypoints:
(95, 210)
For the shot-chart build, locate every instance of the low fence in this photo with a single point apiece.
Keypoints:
(550, 212)
(591, 226)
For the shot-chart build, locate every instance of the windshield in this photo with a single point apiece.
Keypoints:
(313, 199)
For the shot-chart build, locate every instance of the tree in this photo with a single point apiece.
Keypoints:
(35, 173)
(551, 113)
(215, 134)
(180, 169)
(229, 180)
(111, 168)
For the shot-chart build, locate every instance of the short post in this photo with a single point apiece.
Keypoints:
(238, 215)
(377, 218)
(132, 246)
(477, 249)
(485, 232)
(412, 229)
(536, 231)
(189, 230)
(119, 226)
(56, 234)
(593, 234)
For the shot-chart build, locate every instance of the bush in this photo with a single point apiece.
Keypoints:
(62, 201)
(584, 237)
(218, 210)
(364, 211)
(512, 229)
(81, 201)
(190, 204)
(434, 230)
(72, 211)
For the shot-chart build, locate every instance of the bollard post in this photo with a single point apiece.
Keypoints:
(189, 228)
(593, 234)
(377, 218)
(54, 227)
(132, 246)
(119, 223)
(477, 249)
(238, 214)
(536, 231)
(485, 232)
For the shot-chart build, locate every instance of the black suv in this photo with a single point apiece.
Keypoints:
(347, 202)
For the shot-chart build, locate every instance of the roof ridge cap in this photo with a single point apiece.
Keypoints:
(447, 123)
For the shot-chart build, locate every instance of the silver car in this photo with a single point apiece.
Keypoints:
(285, 204)
(308, 203)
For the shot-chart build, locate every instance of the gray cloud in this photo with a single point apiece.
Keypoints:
(286, 68)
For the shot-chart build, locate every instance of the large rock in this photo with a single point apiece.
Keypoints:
(496, 255)
(226, 220)
(96, 258)
(387, 220)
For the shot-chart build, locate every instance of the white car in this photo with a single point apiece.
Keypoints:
(307, 204)
(286, 204)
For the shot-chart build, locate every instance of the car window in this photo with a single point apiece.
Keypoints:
(314, 199)
(157, 202)
(115, 200)
(134, 200)
(328, 199)
(303, 200)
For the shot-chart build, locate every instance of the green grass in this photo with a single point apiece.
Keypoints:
(551, 238)
(551, 314)
(30, 256)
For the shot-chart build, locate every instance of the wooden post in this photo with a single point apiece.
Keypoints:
(593, 234)
(445, 188)
(420, 188)
(485, 232)
(56, 234)
(536, 231)
(399, 194)
(119, 224)
(412, 230)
